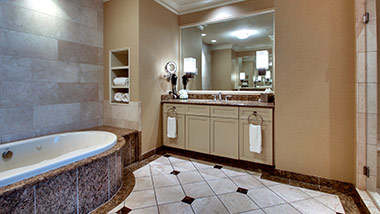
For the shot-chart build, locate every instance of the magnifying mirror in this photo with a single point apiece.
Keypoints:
(171, 67)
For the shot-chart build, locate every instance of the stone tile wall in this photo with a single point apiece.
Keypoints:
(123, 116)
(51, 67)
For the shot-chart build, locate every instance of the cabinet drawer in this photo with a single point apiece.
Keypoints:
(200, 110)
(266, 113)
(180, 109)
(225, 112)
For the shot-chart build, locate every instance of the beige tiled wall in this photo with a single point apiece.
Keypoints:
(123, 116)
(51, 67)
(367, 95)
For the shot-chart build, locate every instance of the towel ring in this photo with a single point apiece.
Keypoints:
(172, 111)
(256, 115)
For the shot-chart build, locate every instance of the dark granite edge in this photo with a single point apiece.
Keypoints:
(236, 103)
(9, 189)
(128, 184)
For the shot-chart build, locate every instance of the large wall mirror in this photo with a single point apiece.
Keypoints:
(232, 55)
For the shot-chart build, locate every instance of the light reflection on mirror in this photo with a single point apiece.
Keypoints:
(225, 53)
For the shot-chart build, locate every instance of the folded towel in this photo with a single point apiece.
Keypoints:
(125, 98)
(121, 81)
(255, 142)
(172, 127)
(118, 96)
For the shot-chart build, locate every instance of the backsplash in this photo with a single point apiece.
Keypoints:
(51, 67)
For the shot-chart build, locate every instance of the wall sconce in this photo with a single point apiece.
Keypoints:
(190, 66)
(262, 60)
(242, 76)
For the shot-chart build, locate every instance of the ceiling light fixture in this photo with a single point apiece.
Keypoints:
(203, 34)
(213, 41)
(244, 34)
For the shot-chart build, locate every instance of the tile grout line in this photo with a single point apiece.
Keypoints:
(181, 183)
(154, 188)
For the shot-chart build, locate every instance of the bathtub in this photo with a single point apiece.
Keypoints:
(38, 155)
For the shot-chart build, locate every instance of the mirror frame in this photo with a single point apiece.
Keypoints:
(219, 20)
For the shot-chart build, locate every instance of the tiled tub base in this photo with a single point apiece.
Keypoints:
(75, 188)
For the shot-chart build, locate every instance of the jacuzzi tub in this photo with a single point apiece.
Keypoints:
(38, 155)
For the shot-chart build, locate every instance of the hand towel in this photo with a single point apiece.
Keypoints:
(118, 96)
(172, 127)
(255, 142)
(125, 98)
(121, 81)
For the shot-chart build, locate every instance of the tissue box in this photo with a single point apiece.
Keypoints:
(267, 97)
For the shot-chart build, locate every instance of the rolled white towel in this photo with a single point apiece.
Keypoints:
(119, 81)
(118, 96)
(125, 98)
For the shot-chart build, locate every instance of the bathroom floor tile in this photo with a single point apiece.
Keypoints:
(222, 186)
(165, 180)
(175, 208)
(148, 210)
(140, 199)
(289, 193)
(198, 190)
(212, 174)
(283, 209)
(231, 171)
(160, 160)
(169, 194)
(183, 166)
(237, 202)
(143, 183)
(199, 182)
(161, 169)
(331, 201)
(142, 172)
(247, 182)
(189, 177)
(264, 197)
(208, 205)
(312, 206)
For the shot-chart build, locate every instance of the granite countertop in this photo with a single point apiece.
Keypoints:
(119, 132)
(238, 103)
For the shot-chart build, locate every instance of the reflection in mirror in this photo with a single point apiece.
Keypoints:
(231, 55)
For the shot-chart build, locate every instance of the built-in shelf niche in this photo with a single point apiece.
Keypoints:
(119, 62)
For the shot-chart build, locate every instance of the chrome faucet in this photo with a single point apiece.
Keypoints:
(220, 96)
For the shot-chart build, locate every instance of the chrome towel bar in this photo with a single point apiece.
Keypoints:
(172, 111)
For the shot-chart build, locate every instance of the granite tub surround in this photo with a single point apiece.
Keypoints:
(51, 67)
(75, 188)
(207, 187)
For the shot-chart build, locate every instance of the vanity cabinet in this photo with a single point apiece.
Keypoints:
(178, 142)
(225, 131)
(198, 133)
(220, 130)
(266, 156)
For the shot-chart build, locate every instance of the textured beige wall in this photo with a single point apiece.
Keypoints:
(315, 88)
(159, 43)
(51, 67)
(121, 29)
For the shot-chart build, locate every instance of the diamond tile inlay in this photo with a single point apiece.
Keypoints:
(188, 200)
(242, 190)
(175, 172)
(167, 156)
(124, 210)
(218, 166)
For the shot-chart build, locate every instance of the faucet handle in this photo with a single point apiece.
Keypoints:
(226, 97)
(214, 95)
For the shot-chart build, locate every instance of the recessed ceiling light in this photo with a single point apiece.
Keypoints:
(244, 34)
(203, 34)
(213, 41)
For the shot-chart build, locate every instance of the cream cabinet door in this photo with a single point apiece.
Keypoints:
(266, 156)
(178, 142)
(225, 137)
(198, 134)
